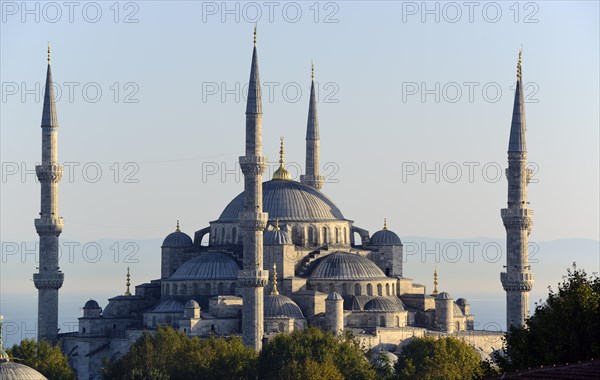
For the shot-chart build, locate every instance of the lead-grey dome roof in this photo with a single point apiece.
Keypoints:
(208, 266)
(462, 302)
(345, 266)
(91, 304)
(387, 304)
(385, 237)
(280, 306)
(288, 201)
(443, 296)
(16, 371)
(191, 304)
(168, 306)
(276, 237)
(177, 239)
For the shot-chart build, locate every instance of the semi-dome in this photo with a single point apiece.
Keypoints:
(443, 296)
(456, 311)
(288, 201)
(385, 237)
(91, 304)
(387, 304)
(276, 237)
(280, 306)
(168, 306)
(208, 266)
(177, 239)
(16, 371)
(462, 302)
(345, 266)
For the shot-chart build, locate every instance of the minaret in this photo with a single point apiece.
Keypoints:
(517, 281)
(49, 225)
(252, 278)
(312, 177)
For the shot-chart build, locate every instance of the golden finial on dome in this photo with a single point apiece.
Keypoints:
(255, 34)
(312, 70)
(277, 224)
(48, 52)
(128, 283)
(519, 63)
(177, 228)
(435, 283)
(274, 291)
(385, 223)
(281, 173)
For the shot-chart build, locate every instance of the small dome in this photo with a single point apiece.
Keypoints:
(168, 306)
(462, 302)
(385, 237)
(443, 296)
(91, 304)
(276, 237)
(208, 266)
(191, 304)
(280, 306)
(388, 304)
(16, 371)
(334, 296)
(177, 239)
(456, 311)
(345, 266)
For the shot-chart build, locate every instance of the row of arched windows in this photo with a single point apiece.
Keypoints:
(390, 290)
(197, 288)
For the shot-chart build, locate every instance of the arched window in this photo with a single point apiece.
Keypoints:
(325, 236)
(184, 289)
(281, 327)
(345, 236)
(369, 289)
(337, 236)
(174, 289)
(382, 321)
(222, 235)
(398, 321)
(311, 236)
(207, 288)
(167, 289)
(196, 291)
(357, 289)
(379, 290)
(114, 326)
(234, 235)
(220, 288)
(387, 289)
(83, 330)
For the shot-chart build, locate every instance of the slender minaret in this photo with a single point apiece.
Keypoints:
(49, 225)
(517, 281)
(312, 177)
(253, 220)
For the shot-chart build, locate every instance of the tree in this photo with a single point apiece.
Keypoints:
(563, 329)
(314, 354)
(443, 358)
(169, 354)
(43, 357)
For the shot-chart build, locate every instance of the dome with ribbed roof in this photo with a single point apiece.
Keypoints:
(462, 302)
(345, 266)
(212, 265)
(168, 306)
(385, 237)
(443, 296)
(288, 201)
(177, 239)
(91, 304)
(280, 306)
(16, 371)
(276, 237)
(387, 304)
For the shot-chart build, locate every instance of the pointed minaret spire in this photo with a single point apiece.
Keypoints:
(312, 177)
(517, 142)
(128, 283)
(517, 217)
(49, 225)
(253, 277)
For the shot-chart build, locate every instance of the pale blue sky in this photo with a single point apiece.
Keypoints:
(372, 135)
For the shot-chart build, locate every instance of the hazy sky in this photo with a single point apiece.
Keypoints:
(414, 109)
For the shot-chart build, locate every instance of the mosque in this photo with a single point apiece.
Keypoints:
(280, 257)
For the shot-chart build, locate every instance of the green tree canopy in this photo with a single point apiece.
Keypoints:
(564, 329)
(314, 354)
(444, 358)
(170, 354)
(43, 357)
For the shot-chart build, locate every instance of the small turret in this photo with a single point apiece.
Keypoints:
(334, 312)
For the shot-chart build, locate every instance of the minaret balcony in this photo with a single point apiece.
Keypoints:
(516, 212)
(48, 280)
(520, 281)
(250, 220)
(49, 226)
(253, 165)
(253, 278)
(49, 172)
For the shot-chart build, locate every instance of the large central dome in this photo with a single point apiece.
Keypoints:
(288, 201)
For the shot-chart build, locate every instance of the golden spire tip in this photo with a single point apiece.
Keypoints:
(177, 228)
(385, 223)
(48, 52)
(274, 291)
(312, 70)
(254, 33)
(277, 224)
(281, 172)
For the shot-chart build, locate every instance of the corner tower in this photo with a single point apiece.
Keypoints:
(49, 225)
(313, 141)
(517, 281)
(253, 278)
